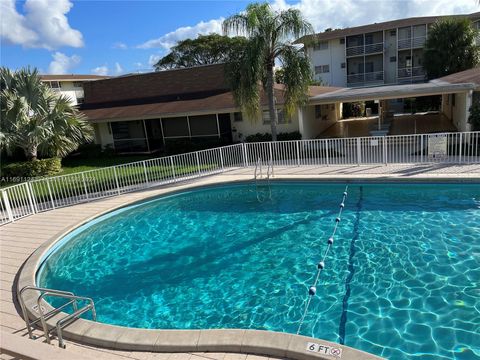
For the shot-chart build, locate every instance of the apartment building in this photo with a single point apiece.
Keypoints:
(70, 85)
(376, 54)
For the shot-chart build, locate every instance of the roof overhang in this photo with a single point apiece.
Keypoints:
(391, 92)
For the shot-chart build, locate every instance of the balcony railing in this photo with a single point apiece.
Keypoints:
(365, 78)
(410, 72)
(411, 43)
(365, 49)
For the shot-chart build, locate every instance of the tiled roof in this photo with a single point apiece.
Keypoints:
(387, 25)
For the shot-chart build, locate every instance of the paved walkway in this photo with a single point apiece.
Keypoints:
(21, 238)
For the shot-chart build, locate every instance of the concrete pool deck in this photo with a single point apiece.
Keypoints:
(34, 234)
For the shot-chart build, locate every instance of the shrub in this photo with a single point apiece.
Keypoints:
(43, 167)
(258, 137)
(474, 117)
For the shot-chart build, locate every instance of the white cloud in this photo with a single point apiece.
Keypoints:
(153, 59)
(120, 45)
(324, 14)
(43, 25)
(100, 70)
(170, 39)
(62, 64)
(118, 69)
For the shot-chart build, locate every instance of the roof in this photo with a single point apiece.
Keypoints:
(387, 25)
(471, 76)
(200, 79)
(390, 92)
(72, 77)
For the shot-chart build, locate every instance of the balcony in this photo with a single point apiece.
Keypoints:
(411, 74)
(411, 43)
(364, 79)
(364, 49)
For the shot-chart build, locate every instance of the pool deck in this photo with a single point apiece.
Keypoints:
(34, 234)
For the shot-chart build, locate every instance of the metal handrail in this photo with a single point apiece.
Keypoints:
(44, 292)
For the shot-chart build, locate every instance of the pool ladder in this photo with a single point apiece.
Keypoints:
(43, 317)
(258, 175)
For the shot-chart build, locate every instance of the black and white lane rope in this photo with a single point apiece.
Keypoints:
(321, 264)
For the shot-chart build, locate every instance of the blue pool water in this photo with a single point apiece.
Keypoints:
(402, 280)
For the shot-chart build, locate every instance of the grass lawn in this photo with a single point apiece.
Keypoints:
(74, 165)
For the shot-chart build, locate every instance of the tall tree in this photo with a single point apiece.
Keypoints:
(268, 35)
(450, 47)
(36, 119)
(204, 50)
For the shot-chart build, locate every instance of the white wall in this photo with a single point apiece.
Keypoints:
(103, 135)
(67, 89)
(334, 56)
(248, 127)
(311, 127)
(459, 112)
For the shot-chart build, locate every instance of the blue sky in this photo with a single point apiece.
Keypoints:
(116, 37)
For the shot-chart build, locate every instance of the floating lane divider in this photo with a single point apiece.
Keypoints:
(321, 265)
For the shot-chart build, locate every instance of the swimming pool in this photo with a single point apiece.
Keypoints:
(402, 280)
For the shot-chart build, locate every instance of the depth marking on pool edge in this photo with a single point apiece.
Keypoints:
(351, 272)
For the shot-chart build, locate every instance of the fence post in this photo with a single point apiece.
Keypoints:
(245, 155)
(50, 193)
(30, 189)
(173, 169)
(116, 179)
(460, 149)
(359, 152)
(270, 151)
(326, 153)
(421, 148)
(221, 158)
(145, 171)
(385, 160)
(30, 200)
(8, 208)
(198, 163)
(298, 153)
(85, 187)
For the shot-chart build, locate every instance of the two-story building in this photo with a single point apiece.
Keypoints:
(384, 53)
(70, 85)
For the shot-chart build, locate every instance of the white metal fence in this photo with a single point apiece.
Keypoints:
(49, 193)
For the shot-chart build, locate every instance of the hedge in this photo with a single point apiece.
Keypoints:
(43, 167)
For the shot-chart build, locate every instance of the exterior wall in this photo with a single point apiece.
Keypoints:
(458, 109)
(390, 67)
(246, 127)
(103, 134)
(67, 88)
(334, 56)
(312, 126)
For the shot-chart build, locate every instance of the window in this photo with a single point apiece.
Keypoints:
(322, 45)
(281, 119)
(453, 99)
(322, 69)
(54, 84)
(77, 84)
(342, 65)
(175, 127)
(393, 58)
(203, 125)
(80, 100)
(342, 41)
(393, 32)
(237, 117)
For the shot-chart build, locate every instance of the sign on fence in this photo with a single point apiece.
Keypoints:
(437, 146)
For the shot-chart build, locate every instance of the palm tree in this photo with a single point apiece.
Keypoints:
(36, 119)
(268, 35)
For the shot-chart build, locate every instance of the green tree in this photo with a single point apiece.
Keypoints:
(450, 47)
(204, 50)
(268, 35)
(36, 119)
(474, 117)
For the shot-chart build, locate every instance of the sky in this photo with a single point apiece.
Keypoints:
(119, 37)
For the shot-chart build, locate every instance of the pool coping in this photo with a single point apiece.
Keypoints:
(259, 342)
